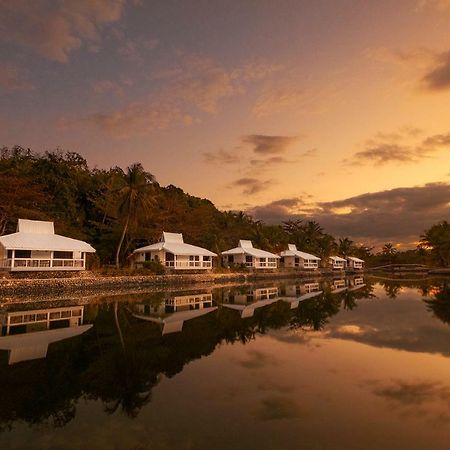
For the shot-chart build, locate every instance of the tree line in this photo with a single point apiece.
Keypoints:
(118, 210)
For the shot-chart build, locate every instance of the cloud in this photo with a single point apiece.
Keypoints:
(258, 360)
(11, 80)
(440, 5)
(107, 86)
(267, 163)
(221, 157)
(252, 186)
(54, 28)
(134, 49)
(438, 76)
(400, 147)
(192, 88)
(398, 215)
(269, 145)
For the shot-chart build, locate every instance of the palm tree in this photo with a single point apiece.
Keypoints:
(389, 251)
(134, 197)
(437, 239)
(345, 246)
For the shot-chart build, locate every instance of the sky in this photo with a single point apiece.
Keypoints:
(333, 110)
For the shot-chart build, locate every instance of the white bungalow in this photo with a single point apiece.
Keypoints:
(250, 257)
(173, 253)
(295, 258)
(35, 246)
(337, 263)
(355, 263)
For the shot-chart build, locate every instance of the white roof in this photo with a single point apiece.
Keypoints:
(246, 248)
(337, 258)
(354, 258)
(292, 251)
(38, 235)
(173, 243)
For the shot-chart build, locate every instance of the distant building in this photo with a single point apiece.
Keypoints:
(355, 263)
(249, 256)
(35, 246)
(172, 252)
(295, 258)
(337, 263)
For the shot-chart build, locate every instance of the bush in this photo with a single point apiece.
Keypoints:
(154, 266)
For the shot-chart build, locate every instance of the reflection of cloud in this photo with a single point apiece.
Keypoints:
(258, 360)
(279, 408)
(54, 29)
(412, 393)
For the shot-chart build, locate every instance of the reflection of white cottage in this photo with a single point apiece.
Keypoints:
(249, 256)
(174, 253)
(355, 263)
(337, 263)
(26, 335)
(35, 246)
(295, 258)
(246, 303)
(173, 312)
(338, 286)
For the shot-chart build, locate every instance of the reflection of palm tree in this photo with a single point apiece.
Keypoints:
(440, 304)
(349, 300)
(391, 288)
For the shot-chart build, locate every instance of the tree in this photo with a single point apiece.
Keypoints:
(437, 240)
(134, 199)
(345, 246)
(389, 251)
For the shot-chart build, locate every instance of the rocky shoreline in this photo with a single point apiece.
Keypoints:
(91, 284)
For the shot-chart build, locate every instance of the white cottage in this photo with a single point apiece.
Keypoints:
(173, 253)
(35, 246)
(250, 257)
(295, 258)
(337, 263)
(355, 263)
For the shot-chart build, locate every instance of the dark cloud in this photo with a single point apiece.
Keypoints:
(399, 215)
(438, 77)
(252, 185)
(269, 145)
(387, 148)
(221, 157)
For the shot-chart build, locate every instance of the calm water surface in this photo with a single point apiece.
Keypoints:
(342, 364)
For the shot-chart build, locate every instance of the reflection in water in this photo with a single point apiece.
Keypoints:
(133, 346)
(26, 335)
(171, 313)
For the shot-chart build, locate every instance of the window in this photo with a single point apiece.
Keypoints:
(194, 258)
(10, 253)
(23, 253)
(248, 259)
(62, 255)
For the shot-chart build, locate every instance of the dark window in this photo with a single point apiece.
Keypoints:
(147, 256)
(23, 253)
(10, 254)
(170, 257)
(194, 258)
(249, 259)
(231, 259)
(62, 255)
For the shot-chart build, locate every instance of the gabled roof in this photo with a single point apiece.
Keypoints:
(38, 235)
(354, 258)
(174, 243)
(337, 258)
(292, 251)
(246, 248)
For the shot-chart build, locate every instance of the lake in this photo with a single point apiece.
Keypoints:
(352, 363)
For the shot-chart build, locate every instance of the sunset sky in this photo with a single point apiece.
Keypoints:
(337, 110)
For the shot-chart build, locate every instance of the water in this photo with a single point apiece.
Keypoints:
(341, 364)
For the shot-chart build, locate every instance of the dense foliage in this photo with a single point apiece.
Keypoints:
(119, 210)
